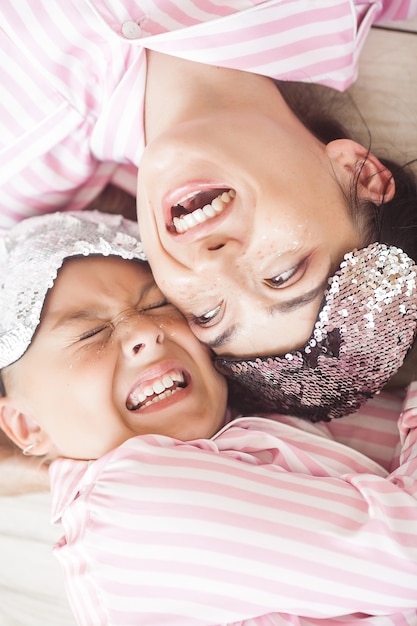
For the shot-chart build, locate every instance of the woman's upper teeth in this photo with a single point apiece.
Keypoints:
(156, 390)
(188, 220)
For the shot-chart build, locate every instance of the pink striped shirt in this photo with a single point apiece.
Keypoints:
(73, 75)
(268, 523)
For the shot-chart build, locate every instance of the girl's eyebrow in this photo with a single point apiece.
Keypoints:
(95, 311)
(69, 317)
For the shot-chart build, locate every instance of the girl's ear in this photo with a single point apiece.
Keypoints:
(349, 159)
(21, 428)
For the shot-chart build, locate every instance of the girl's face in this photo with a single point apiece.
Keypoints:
(266, 225)
(111, 360)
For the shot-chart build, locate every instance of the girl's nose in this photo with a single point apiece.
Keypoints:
(139, 333)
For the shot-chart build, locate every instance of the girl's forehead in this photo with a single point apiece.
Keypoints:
(101, 273)
(96, 288)
(31, 255)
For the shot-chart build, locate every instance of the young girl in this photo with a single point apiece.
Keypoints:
(171, 513)
(243, 234)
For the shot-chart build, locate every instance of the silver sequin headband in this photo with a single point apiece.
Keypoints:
(31, 254)
(364, 329)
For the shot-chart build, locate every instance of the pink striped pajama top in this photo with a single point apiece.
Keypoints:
(73, 74)
(268, 523)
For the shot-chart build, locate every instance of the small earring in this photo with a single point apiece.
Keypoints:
(27, 451)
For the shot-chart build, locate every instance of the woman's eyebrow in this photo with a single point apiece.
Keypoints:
(295, 303)
(279, 307)
(223, 337)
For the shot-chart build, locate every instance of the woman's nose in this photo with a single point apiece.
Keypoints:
(139, 333)
(218, 251)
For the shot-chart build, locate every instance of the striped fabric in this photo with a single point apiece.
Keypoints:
(268, 523)
(73, 76)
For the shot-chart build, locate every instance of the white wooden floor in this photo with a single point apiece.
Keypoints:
(31, 582)
(31, 588)
(386, 89)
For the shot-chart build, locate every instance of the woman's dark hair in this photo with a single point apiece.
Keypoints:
(393, 222)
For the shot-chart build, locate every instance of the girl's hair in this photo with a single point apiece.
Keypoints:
(393, 222)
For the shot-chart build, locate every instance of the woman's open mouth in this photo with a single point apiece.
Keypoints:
(198, 207)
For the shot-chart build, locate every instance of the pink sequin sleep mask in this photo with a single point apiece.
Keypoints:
(365, 327)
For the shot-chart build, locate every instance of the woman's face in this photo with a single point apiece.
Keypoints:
(267, 225)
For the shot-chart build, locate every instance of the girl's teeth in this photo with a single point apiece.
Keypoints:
(160, 390)
(162, 396)
(189, 220)
(158, 387)
(167, 380)
(141, 397)
(177, 377)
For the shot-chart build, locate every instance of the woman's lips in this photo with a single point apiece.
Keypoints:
(197, 207)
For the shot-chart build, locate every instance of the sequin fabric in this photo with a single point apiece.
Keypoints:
(31, 254)
(364, 329)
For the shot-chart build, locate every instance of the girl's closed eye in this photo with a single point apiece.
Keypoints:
(99, 330)
(93, 332)
(158, 304)
(150, 297)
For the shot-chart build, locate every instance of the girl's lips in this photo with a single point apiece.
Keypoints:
(156, 387)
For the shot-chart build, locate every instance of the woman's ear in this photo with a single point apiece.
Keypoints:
(21, 428)
(374, 181)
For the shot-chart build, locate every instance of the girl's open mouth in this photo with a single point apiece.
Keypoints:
(156, 390)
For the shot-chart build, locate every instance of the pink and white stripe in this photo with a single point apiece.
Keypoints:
(266, 523)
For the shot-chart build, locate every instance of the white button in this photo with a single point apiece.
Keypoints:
(131, 30)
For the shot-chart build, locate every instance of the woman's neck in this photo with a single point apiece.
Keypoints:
(178, 90)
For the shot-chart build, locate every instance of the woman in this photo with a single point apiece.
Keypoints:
(75, 73)
(245, 213)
